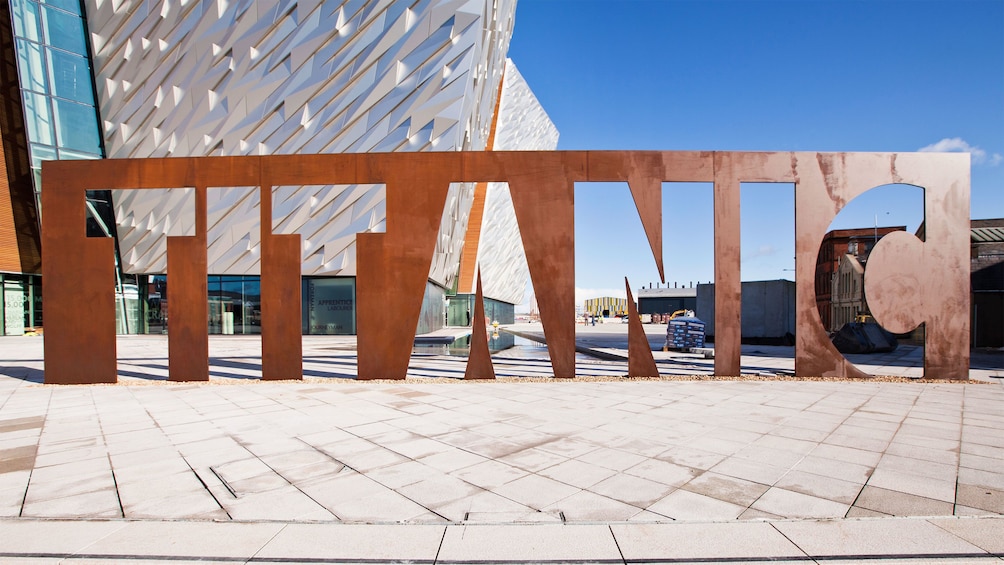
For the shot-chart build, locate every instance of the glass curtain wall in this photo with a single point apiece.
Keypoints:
(328, 308)
(61, 117)
(56, 85)
(234, 305)
(460, 309)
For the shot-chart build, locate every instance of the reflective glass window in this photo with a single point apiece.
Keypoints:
(329, 305)
(37, 297)
(216, 306)
(78, 127)
(70, 76)
(70, 154)
(30, 66)
(14, 299)
(64, 30)
(38, 118)
(26, 22)
(68, 5)
(231, 305)
(41, 153)
(252, 305)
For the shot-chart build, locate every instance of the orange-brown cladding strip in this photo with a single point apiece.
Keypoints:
(469, 256)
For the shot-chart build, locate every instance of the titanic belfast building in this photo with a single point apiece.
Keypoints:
(96, 79)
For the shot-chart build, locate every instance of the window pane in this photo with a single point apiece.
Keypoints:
(38, 118)
(41, 153)
(252, 305)
(330, 305)
(231, 305)
(29, 65)
(78, 126)
(13, 305)
(68, 154)
(63, 30)
(25, 15)
(215, 306)
(71, 76)
(68, 5)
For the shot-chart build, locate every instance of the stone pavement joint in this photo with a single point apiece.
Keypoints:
(904, 540)
(334, 470)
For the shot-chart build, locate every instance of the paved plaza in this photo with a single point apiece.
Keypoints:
(606, 470)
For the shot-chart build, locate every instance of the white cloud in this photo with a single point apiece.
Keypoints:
(959, 145)
(762, 251)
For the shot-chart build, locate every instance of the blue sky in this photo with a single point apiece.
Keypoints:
(765, 76)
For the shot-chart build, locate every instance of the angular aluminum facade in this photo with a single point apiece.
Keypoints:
(248, 77)
(523, 125)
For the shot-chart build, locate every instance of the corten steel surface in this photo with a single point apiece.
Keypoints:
(640, 360)
(188, 336)
(282, 334)
(543, 189)
(394, 266)
(908, 282)
(479, 363)
(728, 281)
(78, 275)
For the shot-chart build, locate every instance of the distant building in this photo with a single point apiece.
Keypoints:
(836, 244)
(607, 306)
(847, 299)
(987, 283)
(666, 300)
(768, 311)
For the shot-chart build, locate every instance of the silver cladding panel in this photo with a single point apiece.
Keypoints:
(523, 125)
(249, 77)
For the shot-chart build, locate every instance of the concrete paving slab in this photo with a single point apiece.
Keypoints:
(877, 538)
(725, 488)
(635, 491)
(843, 492)
(183, 540)
(928, 487)
(528, 544)
(27, 537)
(347, 542)
(783, 502)
(586, 506)
(101, 503)
(424, 453)
(897, 503)
(724, 542)
(986, 533)
(685, 505)
(536, 491)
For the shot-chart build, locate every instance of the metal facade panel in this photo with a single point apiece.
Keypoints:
(523, 125)
(264, 77)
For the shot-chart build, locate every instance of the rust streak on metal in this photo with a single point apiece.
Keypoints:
(908, 282)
